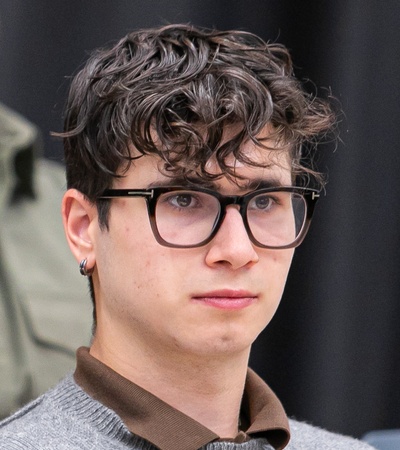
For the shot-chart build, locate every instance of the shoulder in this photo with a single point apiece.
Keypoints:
(66, 418)
(307, 437)
(36, 426)
(15, 430)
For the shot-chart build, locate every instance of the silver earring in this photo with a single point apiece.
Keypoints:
(83, 270)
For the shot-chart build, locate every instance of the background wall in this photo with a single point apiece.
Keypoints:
(332, 352)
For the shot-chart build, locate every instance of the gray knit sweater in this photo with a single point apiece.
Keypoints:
(66, 418)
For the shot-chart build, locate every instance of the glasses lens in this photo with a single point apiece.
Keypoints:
(276, 218)
(186, 217)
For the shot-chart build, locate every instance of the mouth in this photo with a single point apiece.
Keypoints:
(227, 299)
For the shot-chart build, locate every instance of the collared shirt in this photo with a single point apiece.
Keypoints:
(147, 416)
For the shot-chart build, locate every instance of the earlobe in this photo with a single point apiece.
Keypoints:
(78, 215)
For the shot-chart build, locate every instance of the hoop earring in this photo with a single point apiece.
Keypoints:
(83, 270)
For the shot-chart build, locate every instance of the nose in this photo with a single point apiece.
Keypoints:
(231, 246)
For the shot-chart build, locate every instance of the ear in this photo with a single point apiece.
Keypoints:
(79, 218)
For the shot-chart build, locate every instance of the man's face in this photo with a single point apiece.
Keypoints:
(212, 300)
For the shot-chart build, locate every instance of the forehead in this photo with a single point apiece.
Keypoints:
(148, 171)
(269, 162)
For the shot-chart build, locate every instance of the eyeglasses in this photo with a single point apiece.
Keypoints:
(182, 217)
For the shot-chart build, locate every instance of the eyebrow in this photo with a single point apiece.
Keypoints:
(261, 183)
(247, 185)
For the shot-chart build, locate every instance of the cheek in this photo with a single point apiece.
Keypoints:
(147, 266)
(282, 259)
(281, 263)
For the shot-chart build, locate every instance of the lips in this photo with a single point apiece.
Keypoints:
(226, 299)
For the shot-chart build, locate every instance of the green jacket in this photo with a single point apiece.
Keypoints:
(45, 309)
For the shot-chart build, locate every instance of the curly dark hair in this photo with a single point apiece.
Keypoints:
(172, 91)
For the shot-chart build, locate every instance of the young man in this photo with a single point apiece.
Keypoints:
(187, 196)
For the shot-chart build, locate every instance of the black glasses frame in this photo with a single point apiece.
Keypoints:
(151, 195)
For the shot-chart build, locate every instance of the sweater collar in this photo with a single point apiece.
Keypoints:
(149, 417)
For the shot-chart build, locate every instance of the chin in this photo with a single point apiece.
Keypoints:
(234, 342)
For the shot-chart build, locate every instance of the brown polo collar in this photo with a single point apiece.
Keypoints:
(147, 416)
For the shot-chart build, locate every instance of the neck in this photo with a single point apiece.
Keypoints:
(207, 389)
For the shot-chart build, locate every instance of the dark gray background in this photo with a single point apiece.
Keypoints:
(332, 351)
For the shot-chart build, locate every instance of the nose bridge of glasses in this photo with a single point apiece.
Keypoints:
(234, 202)
(237, 201)
(228, 200)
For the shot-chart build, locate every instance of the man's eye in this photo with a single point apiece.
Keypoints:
(184, 200)
(262, 202)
